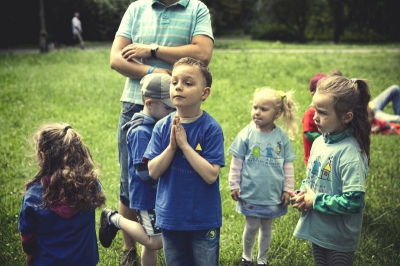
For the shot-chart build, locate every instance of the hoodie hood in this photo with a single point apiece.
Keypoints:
(139, 119)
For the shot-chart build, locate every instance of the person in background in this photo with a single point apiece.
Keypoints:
(261, 172)
(57, 217)
(185, 154)
(152, 36)
(378, 104)
(77, 30)
(383, 127)
(142, 188)
(332, 197)
(310, 131)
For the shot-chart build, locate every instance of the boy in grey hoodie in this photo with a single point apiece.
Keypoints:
(142, 188)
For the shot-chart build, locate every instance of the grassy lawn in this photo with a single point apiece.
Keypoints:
(79, 88)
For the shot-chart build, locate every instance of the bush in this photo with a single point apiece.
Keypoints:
(274, 32)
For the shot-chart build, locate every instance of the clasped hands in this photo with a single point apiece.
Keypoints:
(178, 137)
(304, 200)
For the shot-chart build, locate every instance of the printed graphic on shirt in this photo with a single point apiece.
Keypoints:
(319, 174)
(270, 151)
(198, 148)
(326, 171)
(279, 148)
(266, 155)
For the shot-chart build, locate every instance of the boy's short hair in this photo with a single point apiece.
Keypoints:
(194, 62)
(314, 80)
(156, 86)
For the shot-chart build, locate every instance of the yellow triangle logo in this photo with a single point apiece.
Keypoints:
(198, 147)
(328, 167)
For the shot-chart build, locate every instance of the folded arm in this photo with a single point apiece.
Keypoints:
(129, 68)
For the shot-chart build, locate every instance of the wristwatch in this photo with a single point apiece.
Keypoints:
(153, 49)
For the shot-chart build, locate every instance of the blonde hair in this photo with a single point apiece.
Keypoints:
(62, 155)
(283, 101)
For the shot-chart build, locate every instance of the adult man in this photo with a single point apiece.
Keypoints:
(151, 37)
(77, 30)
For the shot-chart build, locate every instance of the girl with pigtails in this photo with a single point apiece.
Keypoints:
(332, 196)
(57, 218)
(261, 172)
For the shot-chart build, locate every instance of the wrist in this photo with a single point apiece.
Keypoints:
(153, 50)
(151, 70)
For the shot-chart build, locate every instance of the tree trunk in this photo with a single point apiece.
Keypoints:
(43, 34)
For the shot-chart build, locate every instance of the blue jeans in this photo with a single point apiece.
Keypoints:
(127, 111)
(391, 94)
(191, 248)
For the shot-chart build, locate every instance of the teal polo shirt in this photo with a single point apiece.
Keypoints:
(150, 21)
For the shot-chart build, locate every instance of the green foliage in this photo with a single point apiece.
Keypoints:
(261, 31)
(78, 87)
(298, 20)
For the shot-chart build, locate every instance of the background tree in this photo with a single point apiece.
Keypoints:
(342, 13)
(231, 17)
(283, 20)
(43, 33)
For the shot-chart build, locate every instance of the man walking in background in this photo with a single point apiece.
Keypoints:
(77, 30)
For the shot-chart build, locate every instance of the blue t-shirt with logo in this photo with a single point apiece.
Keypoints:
(184, 200)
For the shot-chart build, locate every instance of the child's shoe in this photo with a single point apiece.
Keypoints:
(107, 229)
(128, 258)
(244, 262)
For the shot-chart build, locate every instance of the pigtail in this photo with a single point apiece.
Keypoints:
(289, 110)
(360, 124)
(285, 103)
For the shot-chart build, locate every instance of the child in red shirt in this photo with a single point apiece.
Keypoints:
(310, 130)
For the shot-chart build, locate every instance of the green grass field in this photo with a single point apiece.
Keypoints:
(78, 87)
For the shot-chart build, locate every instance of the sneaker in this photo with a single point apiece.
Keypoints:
(107, 230)
(244, 262)
(128, 258)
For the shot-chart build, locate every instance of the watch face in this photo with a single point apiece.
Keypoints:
(153, 46)
(153, 49)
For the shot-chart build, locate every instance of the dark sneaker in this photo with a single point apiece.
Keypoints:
(128, 258)
(244, 262)
(107, 230)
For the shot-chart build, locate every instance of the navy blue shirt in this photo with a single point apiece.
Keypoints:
(60, 241)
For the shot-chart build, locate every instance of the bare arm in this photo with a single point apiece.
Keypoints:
(209, 172)
(129, 68)
(158, 165)
(200, 48)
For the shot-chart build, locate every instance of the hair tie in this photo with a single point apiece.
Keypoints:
(354, 80)
(65, 130)
(282, 94)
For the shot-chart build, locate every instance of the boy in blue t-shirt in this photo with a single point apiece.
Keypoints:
(185, 154)
(142, 188)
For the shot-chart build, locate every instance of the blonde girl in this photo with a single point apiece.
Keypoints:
(57, 218)
(261, 172)
(332, 195)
